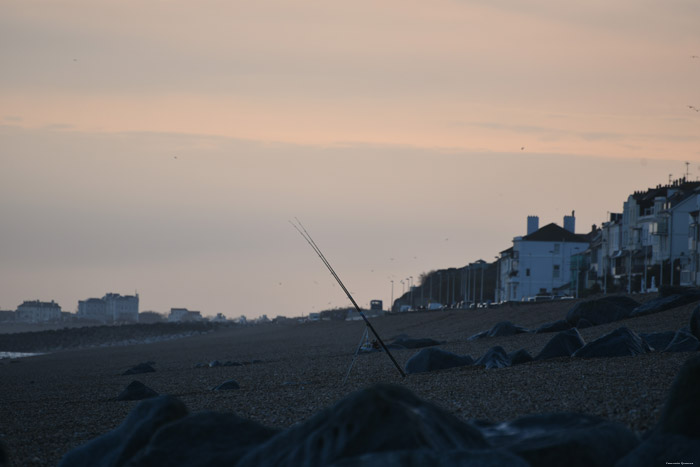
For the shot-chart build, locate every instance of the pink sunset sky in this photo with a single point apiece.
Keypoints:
(162, 146)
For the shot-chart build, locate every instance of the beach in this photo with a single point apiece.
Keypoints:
(52, 403)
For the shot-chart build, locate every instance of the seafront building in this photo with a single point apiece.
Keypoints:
(112, 308)
(184, 315)
(38, 312)
(539, 263)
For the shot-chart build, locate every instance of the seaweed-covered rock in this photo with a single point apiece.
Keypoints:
(563, 344)
(602, 310)
(432, 359)
(618, 343)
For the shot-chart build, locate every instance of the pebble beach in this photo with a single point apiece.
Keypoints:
(52, 403)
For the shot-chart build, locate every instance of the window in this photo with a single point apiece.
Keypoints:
(556, 248)
(527, 272)
(555, 271)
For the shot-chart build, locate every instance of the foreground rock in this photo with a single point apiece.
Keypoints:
(121, 444)
(602, 310)
(563, 439)
(695, 322)
(432, 359)
(387, 425)
(618, 343)
(426, 457)
(203, 439)
(379, 419)
(676, 438)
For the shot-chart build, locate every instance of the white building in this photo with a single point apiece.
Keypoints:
(38, 312)
(183, 314)
(122, 308)
(648, 245)
(539, 263)
(94, 309)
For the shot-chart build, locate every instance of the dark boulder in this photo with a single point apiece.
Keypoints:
(583, 323)
(425, 457)
(136, 391)
(658, 341)
(502, 329)
(556, 326)
(676, 438)
(659, 448)
(520, 356)
(618, 343)
(563, 344)
(139, 369)
(226, 386)
(121, 444)
(695, 322)
(409, 343)
(680, 297)
(203, 439)
(683, 342)
(378, 419)
(495, 357)
(669, 290)
(506, 328)
(479, 335)
(432, 359)
(602, 310)
(563, 439)
(681, 414)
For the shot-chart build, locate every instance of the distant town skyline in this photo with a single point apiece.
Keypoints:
(163, 146)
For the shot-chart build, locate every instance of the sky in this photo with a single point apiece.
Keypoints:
(163, 146)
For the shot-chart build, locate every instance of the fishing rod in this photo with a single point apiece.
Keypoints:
(302, 231)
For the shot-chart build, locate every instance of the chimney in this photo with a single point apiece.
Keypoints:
(533, 224)
(570, 223)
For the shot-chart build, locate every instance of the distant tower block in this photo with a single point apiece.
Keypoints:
(570, 222)
(533, 224)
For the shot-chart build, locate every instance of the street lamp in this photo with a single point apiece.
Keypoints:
(391, 304)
